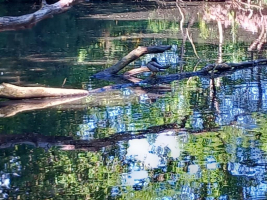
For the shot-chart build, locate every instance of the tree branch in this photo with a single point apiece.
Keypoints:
(133, 55)
(209, 71)
(27, 21)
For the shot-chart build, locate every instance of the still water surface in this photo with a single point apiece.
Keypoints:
(192, 143)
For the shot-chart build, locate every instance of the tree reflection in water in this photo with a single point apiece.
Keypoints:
(219, 152)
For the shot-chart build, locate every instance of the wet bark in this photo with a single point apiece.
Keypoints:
(29, 20)
(133, 55)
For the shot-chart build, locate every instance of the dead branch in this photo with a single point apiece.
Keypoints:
(133, 55)
(16, 92)
(209, 71)
(29, 20)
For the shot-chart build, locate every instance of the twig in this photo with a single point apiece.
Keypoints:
(193, 71)
(192, 43)
(65, 79)
(182, 15)
(220, 41)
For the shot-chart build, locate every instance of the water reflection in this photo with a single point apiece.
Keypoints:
(189, 161)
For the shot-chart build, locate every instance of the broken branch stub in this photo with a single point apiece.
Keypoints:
(133, 55)
(16, 92)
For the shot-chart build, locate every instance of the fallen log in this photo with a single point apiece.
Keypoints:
(8, 23)
(133, 55)
(208, 71)
(16, 92)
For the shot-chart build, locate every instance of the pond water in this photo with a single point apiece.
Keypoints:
(174, 141)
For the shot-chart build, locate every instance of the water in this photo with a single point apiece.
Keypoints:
(173, 141)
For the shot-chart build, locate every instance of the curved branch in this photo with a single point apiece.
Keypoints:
(133, 55)
(27, 21)
(192, 43)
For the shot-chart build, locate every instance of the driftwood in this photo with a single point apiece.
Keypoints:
(16, 92)
(133, 55)
(29, 20)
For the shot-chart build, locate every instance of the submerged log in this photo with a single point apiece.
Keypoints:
(133, 55)
(16, 92)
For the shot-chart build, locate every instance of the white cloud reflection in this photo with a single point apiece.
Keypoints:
(150, 154)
